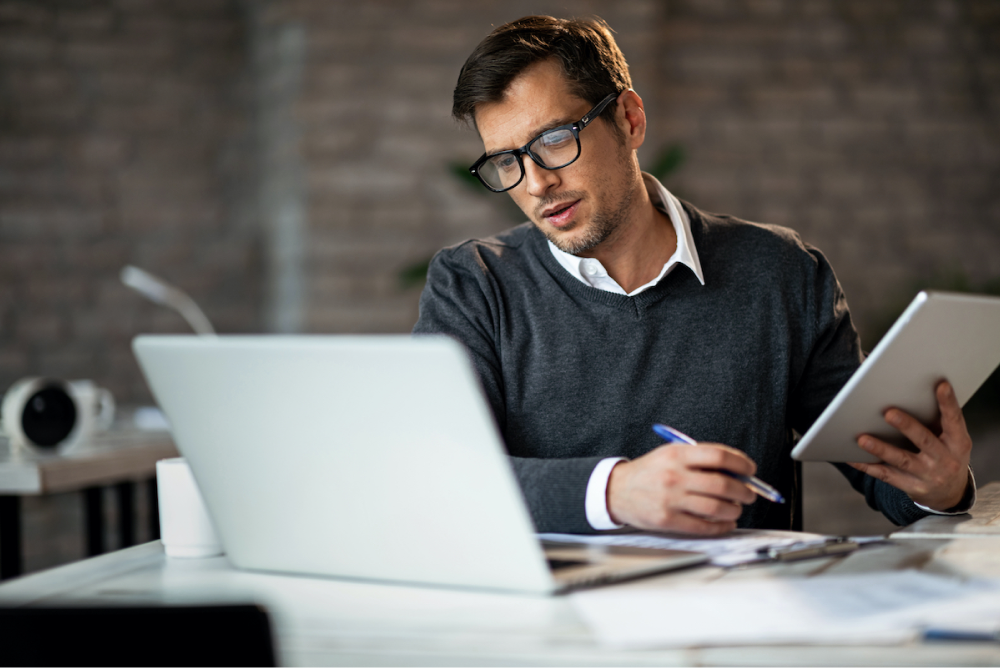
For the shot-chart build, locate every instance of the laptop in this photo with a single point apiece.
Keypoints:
(370, 457)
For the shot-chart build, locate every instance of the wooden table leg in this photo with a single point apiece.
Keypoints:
(126, 513)
(11, 564)
(94, 518)
(153, 507)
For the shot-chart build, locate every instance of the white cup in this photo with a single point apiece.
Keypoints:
(186, 530)
(52, 415)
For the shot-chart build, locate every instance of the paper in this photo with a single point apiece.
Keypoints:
(874, 608)
(736, 547)
(983, 520)
(971, 558)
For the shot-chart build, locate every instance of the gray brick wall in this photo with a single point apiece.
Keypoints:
(869, 127)
(124, 138)
(130, 131)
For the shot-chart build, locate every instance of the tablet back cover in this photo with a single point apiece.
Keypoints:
(940, 336)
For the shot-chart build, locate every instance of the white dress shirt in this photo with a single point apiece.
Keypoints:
(591, 272)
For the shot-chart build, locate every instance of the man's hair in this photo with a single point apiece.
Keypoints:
(591, 61)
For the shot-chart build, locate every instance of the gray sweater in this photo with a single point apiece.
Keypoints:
(575, 374)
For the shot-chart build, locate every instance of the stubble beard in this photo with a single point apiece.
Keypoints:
(599, 229)
(604, 223)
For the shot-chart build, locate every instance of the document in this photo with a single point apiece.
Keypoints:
(872, 608)
(737, 547)
(982, 521)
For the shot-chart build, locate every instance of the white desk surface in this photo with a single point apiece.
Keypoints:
(340, 622)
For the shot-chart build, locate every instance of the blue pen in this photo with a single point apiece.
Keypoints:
(961, 636)
(754, 483)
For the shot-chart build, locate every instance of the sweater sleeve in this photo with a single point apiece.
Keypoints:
(834, 355)
(463, 300)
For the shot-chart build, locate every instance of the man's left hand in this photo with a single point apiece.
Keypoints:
(935, 477)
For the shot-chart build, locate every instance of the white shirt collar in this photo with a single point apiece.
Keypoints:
(591, 272)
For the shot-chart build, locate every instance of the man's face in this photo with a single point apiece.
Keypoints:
(577, 207)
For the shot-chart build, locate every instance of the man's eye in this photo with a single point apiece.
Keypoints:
(505, 162)
(556, 138)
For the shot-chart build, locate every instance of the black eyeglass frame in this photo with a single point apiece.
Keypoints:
(518, 152)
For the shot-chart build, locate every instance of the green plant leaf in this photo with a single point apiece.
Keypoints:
(414, 275)
(668, 161)
(461, 171)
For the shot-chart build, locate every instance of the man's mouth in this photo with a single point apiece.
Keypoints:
(561, 214)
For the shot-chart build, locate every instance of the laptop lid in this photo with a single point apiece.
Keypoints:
(373, 457)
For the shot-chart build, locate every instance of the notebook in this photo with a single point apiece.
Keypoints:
(370, 457)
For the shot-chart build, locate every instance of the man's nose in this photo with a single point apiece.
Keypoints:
(539, 181)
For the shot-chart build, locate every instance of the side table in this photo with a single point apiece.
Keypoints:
(119, 457)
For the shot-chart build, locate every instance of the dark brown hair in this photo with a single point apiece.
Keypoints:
(590, 59)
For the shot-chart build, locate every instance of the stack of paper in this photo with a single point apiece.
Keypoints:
(876, 608)
(736, 547)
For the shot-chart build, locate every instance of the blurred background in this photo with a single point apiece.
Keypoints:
(291, 164)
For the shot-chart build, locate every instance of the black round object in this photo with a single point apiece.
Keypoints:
(49, 416)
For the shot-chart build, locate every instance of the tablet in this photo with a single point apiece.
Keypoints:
(940, 336)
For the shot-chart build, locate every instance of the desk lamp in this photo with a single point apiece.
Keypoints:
(159, 291)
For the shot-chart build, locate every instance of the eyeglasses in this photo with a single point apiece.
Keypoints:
(553, 149)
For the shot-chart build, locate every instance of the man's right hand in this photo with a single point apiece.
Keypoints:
(678, 488)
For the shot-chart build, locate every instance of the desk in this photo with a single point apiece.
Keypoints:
(341, 622)
(119, 457)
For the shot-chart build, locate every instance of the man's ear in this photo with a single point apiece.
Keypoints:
(631, 118)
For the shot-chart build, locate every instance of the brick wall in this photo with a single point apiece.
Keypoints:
(123, 139)
(869, 127)
(183, 137)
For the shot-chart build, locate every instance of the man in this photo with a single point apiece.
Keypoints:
(618, 306)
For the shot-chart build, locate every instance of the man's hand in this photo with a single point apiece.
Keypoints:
(936, 476)
(679, 488)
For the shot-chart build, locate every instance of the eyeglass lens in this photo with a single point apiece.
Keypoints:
(553, 149)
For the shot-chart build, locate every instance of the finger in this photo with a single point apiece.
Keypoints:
(922, 437)
(711, 508)
(713, 484)
(953, 428)
(715, 456)
(890, 454)
(691, 524)
(948, 403)
(942, 492)
(886, 474)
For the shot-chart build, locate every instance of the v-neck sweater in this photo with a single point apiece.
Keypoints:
(575, 374)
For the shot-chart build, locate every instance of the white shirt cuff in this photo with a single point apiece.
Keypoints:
(972, 501)
(596, 502)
